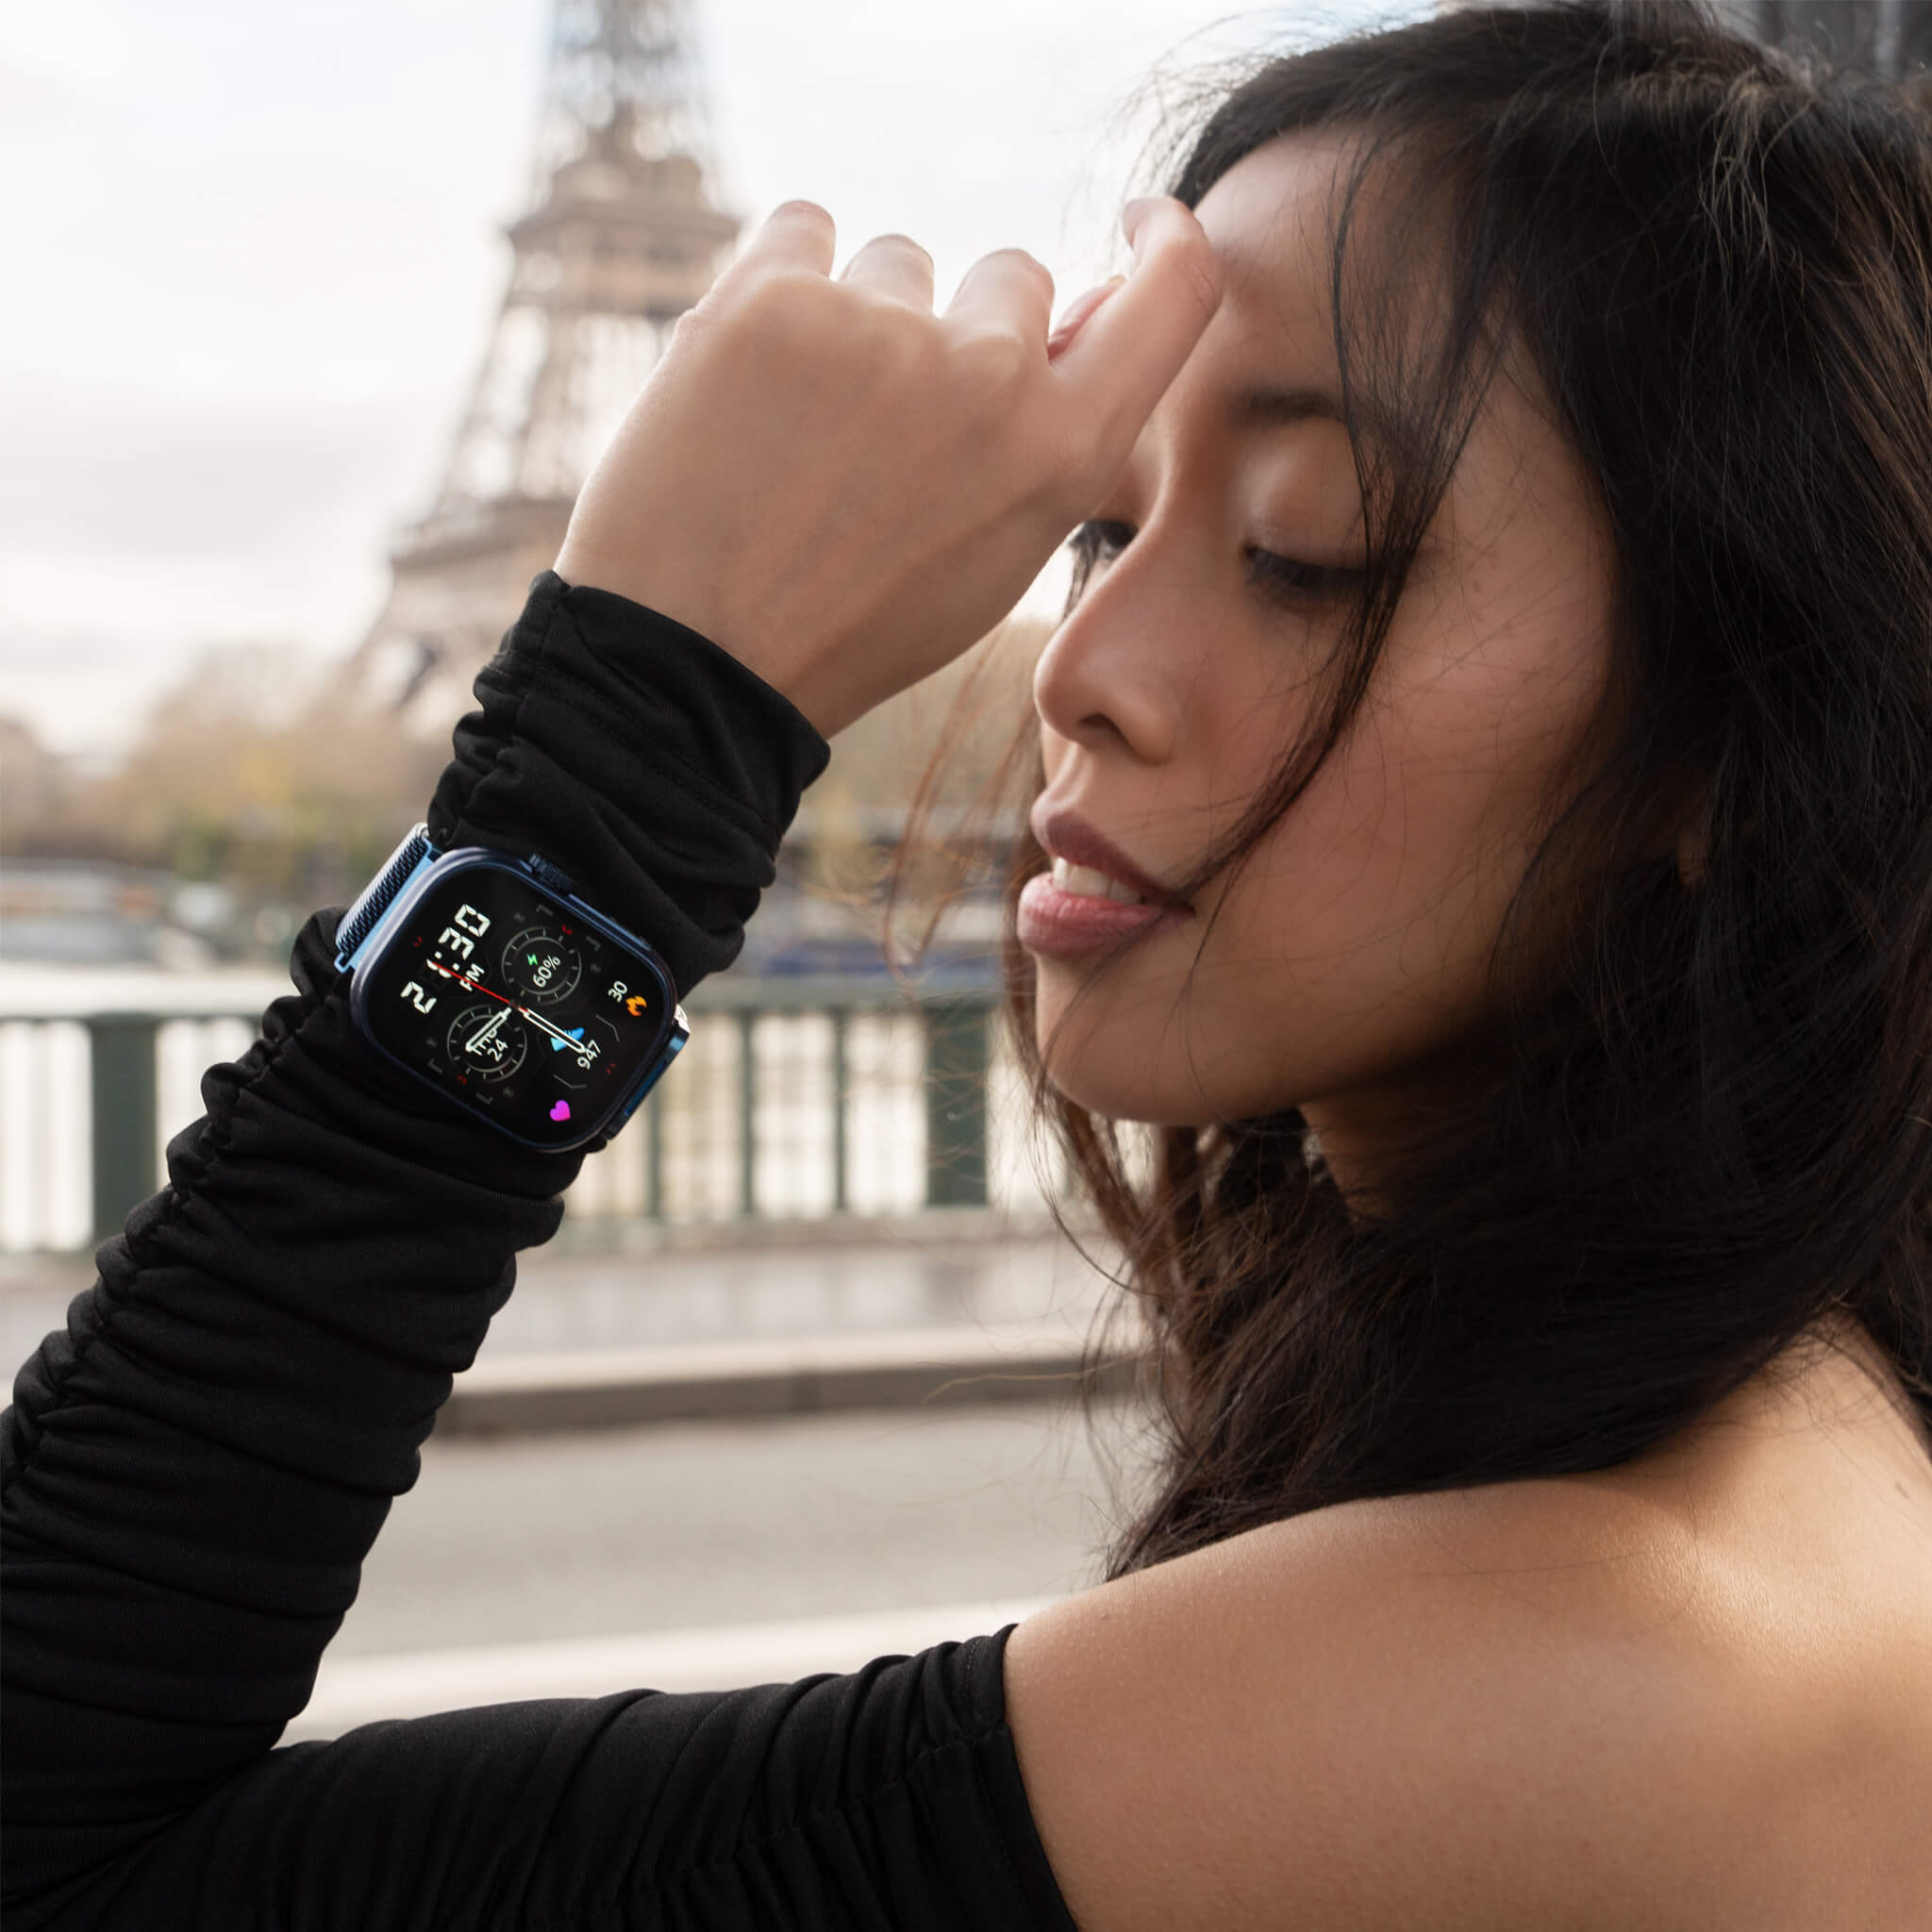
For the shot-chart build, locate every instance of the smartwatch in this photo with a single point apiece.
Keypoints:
(490, 979)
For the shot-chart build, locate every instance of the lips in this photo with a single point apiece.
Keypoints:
(1065, 834)
(1056, 921)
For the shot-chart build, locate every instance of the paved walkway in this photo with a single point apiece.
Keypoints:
(708, 1554)
(685, 1523)
(721, 1284)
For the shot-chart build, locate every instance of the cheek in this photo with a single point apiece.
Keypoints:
(1354, 939)
(1384, 847)
(1361, 938)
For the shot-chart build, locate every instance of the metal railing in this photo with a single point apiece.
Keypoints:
(798, 1098)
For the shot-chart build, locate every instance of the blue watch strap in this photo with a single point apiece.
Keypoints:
(360, 920)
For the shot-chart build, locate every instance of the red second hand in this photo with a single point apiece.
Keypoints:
(449, 973)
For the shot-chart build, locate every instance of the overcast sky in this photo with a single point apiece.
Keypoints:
(255, 253)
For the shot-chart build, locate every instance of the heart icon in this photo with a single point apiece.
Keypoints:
(560, 1112)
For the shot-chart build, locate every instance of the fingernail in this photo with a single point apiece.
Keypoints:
(1134, 214)
(1079, 310)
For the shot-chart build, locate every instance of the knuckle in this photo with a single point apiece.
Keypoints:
(1021, 257)
(700, 318)
(997, 358)
(903, 244)
(888, 341)
(784, 306)
(857, 328)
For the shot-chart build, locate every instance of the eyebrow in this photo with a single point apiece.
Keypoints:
(1258, 406)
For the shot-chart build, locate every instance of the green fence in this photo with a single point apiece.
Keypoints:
(952, 1031)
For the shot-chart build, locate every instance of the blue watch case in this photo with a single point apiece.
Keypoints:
(490, 979)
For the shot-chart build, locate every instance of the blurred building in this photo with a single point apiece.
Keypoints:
(1891, 40)
(89, 912)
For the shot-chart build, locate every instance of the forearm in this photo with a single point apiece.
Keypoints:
(649, 763)
(194, 1471)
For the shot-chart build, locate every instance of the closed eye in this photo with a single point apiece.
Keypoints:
(1283, 578)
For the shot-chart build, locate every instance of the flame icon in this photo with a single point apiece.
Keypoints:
(636, 1004)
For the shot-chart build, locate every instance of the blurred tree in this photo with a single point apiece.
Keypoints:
(32, 781)
(263, 773)
(234, 775)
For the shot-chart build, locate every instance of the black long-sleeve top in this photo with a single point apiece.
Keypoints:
(193, 1472)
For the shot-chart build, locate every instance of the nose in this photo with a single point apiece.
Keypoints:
(1111, 676)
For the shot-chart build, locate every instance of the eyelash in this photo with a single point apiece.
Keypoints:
(1288, 582)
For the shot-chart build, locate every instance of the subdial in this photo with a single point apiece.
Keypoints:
(486, 1043)
(542, 965)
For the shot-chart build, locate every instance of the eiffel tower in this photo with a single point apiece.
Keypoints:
(620, 240)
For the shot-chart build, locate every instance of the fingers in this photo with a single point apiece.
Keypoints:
(1131, 348)
(1008, 286)
(896, 266)
(1070, 325)
(797, 235)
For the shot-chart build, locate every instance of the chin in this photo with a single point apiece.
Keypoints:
(1138, 1059)
(1114, 1081)
(1109, 1101)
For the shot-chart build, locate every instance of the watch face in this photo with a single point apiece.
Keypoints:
(515, 1004)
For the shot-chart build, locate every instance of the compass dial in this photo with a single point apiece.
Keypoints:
(486, 1043)
(542, 965)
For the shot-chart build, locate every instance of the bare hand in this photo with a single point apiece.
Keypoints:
(845, 490)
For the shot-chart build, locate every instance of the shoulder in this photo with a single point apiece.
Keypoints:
(1513, 1706)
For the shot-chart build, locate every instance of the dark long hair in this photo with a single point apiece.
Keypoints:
(1705, 1130)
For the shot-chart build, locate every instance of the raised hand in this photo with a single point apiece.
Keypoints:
(846, 490)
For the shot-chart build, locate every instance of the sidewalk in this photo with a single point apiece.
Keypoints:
(741, 1319)
(825, 1461)
(708, 1554)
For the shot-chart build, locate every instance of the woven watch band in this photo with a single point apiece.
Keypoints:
(379, 894)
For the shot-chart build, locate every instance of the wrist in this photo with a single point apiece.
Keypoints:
(656, 590)
(656, 769)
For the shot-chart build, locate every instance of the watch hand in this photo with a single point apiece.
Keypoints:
(481, 1038)
(535, 1019)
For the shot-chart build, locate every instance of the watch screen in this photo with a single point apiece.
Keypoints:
(512, 1001)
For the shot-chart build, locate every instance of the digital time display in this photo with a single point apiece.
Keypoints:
(517, 1003)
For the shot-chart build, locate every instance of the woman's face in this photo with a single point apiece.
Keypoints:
(1345, 959)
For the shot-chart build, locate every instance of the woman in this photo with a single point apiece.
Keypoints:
(1507, 703)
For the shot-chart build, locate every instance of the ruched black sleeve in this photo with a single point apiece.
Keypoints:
(193, 1472)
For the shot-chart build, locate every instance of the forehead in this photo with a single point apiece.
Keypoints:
(1265, 370)
(1270, 218)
